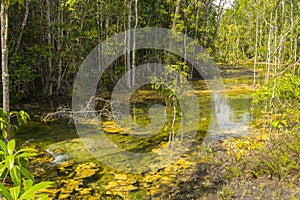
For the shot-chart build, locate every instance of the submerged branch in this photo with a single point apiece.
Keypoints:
(64, 112)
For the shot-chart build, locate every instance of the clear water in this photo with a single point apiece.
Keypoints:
(220, 118)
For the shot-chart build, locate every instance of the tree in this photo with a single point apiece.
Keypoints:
(176, 14)
(134, 42)
(4, 55)
(22, 26)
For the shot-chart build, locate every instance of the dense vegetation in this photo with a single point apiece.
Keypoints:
(48, 40)
(43, 43)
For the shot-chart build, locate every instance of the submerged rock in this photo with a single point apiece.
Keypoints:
(58, 157)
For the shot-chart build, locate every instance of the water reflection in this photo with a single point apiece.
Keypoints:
(230, 118)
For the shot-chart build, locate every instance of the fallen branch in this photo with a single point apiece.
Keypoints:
(87, 110)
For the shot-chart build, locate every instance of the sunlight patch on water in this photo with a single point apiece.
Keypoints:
(231, 117)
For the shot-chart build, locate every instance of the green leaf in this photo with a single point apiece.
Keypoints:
(29, 191)
(43, 197)
(19, 119)
(3, 147)
(3, 113)
(2, 169)
(26, 150)
(13, 113)
(25, 116)
(1, 124)
(4, 192)
(25, 155)
(4, 133)
(11, 146)
(15, 175)
(9, 162)
(28, 184)
(26, 174)
(15, 191)
(12, 2)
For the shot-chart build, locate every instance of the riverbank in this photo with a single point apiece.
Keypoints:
(251, 167)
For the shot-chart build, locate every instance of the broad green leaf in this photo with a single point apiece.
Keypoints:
(2, 169)
(3, 123)
(25, 155)
(15, 191)
(19, 119)
(30, 191)
(26, 174)
(25, 116)
(4, 133)
(4, 192)
(11, 146)
(3, 147)
(26, 150)
(28, 184)
(9, 162)
(13, 113)
(15, 175)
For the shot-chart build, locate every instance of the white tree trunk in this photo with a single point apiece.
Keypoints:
(134, 42)
(176, 14)
(255, 56)
(4, 55)
(129, 45)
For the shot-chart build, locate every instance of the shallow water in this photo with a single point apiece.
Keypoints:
(219, 118)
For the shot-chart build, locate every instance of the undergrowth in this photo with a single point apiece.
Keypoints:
(277, 157)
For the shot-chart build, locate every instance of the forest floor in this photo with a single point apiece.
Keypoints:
(220, 176)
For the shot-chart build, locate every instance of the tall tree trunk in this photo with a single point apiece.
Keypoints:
(255, 56)
(273, 109)
(59, 48)
(237, 42)
(128, 78)
(176, 14)
(269, 53)
(125, 39)
(220, 12)
(134, 42)
(49, 80)
(207, 13)
(4, 56)
(196, 35)
(23, 26)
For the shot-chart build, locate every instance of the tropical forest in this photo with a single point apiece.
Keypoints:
(150, 99)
